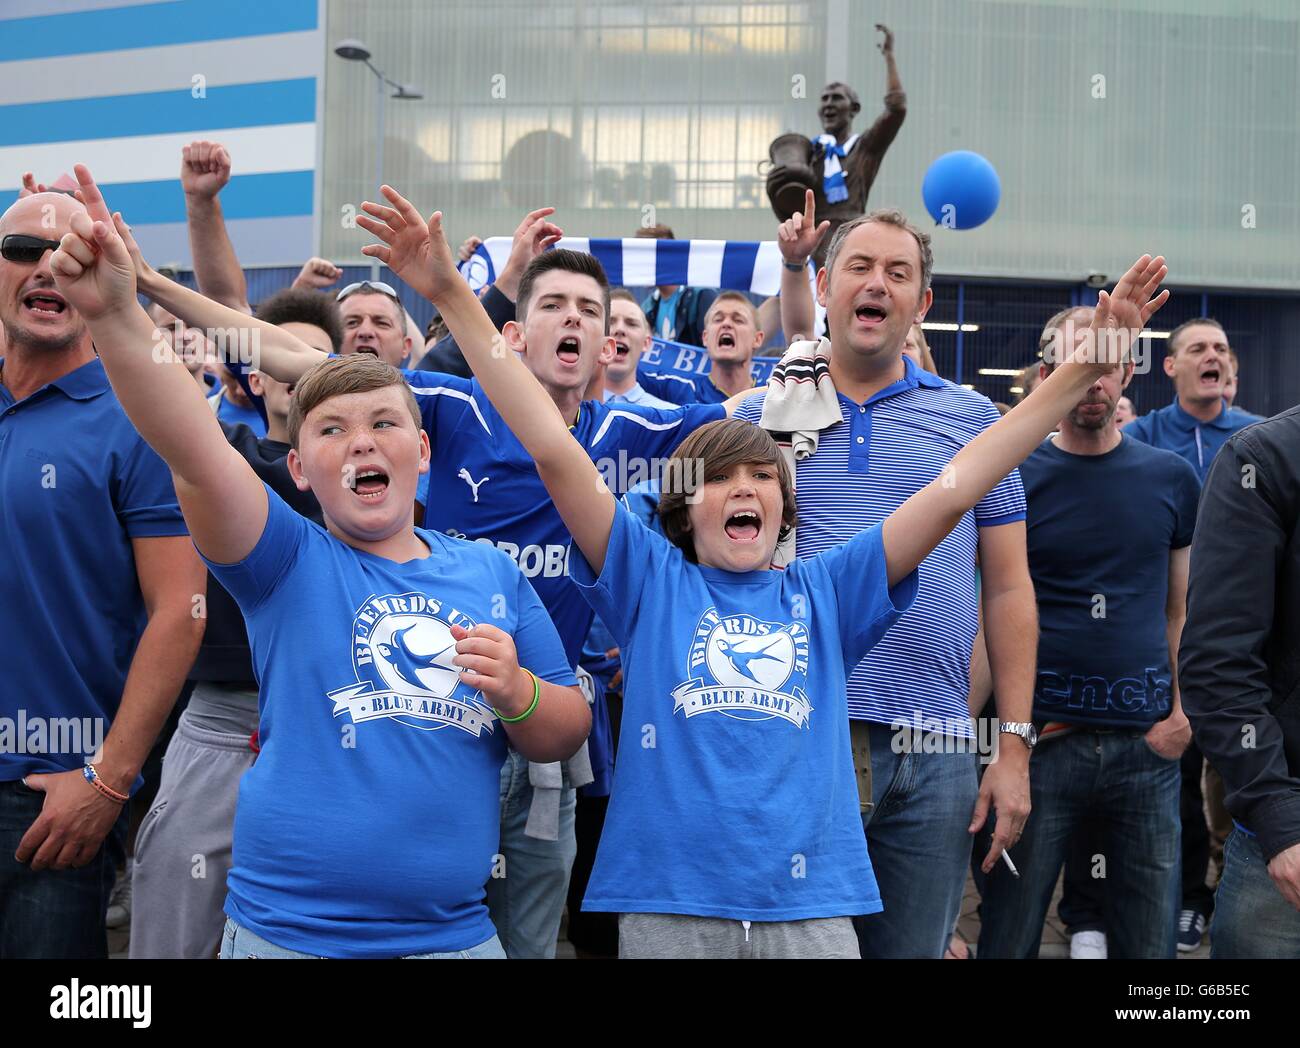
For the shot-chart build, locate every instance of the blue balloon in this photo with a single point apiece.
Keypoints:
(961, 190)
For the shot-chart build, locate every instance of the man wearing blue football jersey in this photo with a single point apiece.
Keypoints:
(895, 430)
(484, 487)
(97, 597)
(731, 338)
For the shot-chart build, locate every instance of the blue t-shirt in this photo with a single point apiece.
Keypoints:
(1100, 530)
(1173, 429)
(483, 484)
(234, 414)
(734, 790)
(367, 826)
(869, 463)
(77, 484)
(666, 319)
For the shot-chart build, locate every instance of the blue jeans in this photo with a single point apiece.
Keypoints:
(1251, 919)
(919, 847)
(526, 904)
(52, 914)
(239, 944)
(1130, 793)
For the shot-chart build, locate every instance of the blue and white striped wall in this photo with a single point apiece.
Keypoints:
(110, 83)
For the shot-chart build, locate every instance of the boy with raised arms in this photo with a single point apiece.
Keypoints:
(733, 828)
(393, 661)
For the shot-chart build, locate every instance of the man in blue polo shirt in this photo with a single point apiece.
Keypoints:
(1198, 422)
(898, 428)
(97, 602)
(1110, 525)
(1196, 425)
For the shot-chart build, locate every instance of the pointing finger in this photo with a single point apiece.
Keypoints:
(90, 194)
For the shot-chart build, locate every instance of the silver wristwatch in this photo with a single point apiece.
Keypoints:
(1026, 731)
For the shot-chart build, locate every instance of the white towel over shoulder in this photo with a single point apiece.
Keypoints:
(801, 402)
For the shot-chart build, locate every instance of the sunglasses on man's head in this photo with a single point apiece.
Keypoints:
(19, 247)
(368, 285)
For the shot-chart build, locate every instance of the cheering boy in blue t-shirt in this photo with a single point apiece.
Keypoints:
(393, 661)
(735, 807)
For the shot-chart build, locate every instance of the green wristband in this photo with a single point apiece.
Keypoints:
(532, 707)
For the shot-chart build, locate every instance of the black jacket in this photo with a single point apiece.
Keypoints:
(445, 355)
(1239, 660)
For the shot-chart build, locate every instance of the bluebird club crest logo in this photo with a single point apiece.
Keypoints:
(402, 649)
(746, 669)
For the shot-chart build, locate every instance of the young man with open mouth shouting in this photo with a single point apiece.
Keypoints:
(731, 337)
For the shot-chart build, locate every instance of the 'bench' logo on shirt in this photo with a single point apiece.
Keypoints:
(746, 669)
(402, 649)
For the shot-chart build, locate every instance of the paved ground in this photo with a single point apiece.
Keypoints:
(1055, 945)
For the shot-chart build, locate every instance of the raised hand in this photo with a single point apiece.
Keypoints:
(1120, 316)
(31, 186)
(799, 235)
(531, 237)
(205, 169)
(467, 248)
(317, 273)
(887, 44)
(416, 252)
(92, 267)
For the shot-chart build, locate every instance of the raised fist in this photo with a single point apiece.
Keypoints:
(205, 169)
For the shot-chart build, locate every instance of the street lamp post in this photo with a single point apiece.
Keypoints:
(355, 51)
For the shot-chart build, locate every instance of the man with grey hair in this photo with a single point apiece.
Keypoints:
(881, 429)
(1109, 527)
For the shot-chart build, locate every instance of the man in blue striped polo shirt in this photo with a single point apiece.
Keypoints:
(898, 429)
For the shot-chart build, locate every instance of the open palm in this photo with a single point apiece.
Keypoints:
(1120, 316)
(417, 252)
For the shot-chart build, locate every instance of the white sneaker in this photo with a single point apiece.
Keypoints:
(1088, 946)
(119, 903)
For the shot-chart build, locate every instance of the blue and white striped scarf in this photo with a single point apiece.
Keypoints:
(834, 187)
(736, 265)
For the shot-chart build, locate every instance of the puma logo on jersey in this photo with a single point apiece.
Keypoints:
(468, 478)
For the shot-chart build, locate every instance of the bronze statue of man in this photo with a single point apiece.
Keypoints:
(838, 165)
